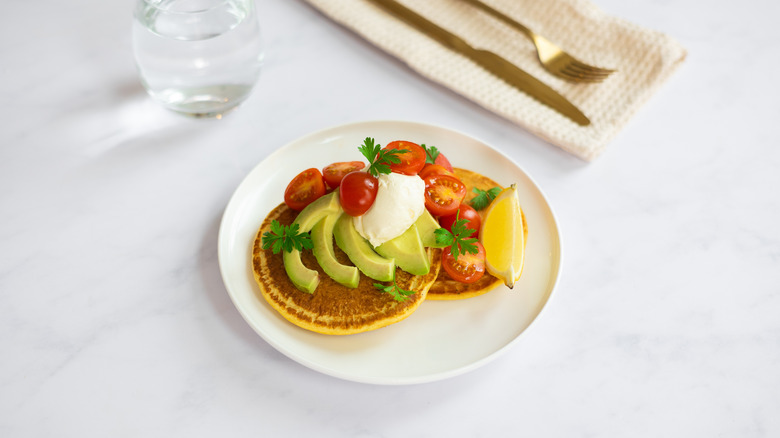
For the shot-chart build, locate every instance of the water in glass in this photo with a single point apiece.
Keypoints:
(198, 57)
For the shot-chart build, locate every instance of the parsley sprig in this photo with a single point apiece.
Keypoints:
(285, 237)
(397, 293)
(431, 153)
(379, 160)
(458, 240)
(484, 197)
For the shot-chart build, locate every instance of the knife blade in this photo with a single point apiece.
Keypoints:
(495, 64)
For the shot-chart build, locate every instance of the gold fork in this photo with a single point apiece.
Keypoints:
(552, 57)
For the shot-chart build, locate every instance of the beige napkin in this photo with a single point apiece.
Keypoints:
(644, 59)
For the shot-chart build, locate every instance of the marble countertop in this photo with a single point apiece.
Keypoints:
(114, 320)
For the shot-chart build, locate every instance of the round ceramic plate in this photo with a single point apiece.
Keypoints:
(442, 338)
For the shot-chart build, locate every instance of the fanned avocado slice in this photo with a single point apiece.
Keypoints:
(427, 226)
(408, 252)
(322, 238)
(360, 252)
(302, 277)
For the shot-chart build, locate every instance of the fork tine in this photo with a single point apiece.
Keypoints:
(581, 77)
(580, 73)
(567, 67)
(577, 77)
(584, 74)
(579, 67)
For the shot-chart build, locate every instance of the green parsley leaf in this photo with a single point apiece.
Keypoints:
(457, 240)
(431, 153)
(444, 237)
(379, 160)
(463, 244)
(393, 289)
(369, 149)
(285, 237)
(484, 197)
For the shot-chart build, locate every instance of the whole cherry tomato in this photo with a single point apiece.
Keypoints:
(443, 194)
(412, 161)
(304, 189)
(466, 212)
(357, 192)
(468, 268)
(433, 169)
(441, 160)
(333, 173)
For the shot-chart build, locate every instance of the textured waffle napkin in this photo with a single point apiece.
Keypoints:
(644, 59)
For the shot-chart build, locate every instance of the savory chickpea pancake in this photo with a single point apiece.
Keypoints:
(332, 308)
(445, 287)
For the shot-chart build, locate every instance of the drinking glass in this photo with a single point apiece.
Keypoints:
(197, 57)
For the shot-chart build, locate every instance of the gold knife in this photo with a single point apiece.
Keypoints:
(491, 62)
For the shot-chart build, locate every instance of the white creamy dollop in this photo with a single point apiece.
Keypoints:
(400, 200)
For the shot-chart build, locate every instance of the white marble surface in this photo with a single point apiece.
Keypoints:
(114, 320)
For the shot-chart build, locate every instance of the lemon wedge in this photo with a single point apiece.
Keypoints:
(503, 236)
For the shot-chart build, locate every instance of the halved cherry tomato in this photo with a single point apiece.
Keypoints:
(468, 268)
(433, 169)
(443, 194)
(357, 192)
(466, 212)
(412, 161)
(304, 189)
(333, 173)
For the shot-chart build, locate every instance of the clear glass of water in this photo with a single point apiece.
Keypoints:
(197, 57)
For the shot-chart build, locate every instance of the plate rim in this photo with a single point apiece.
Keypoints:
(555, 271)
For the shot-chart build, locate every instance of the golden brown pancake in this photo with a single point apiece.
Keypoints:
(333, 309)
(445, 288)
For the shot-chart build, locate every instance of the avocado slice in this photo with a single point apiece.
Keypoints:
(322, 238)
(302, 277)
(360, 252)
(408, 252)
(427, 226)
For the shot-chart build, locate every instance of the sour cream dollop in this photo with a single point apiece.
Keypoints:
(400, 200)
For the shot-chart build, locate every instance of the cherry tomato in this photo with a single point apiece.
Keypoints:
(468, 268)
(466, 212)
(304, 189)
(433, 169)
(333, 173)
(357, 192)
(412, 161)
(443, 194)
(441, 160)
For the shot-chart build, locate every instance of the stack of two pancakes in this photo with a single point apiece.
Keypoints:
(337, 310)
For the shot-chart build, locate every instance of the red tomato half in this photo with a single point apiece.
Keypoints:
(468, 268)
(357, 192)
(466, 212)
(304, 189)
(333, 173)
(433, 169)
(412, 161)
(443, 194)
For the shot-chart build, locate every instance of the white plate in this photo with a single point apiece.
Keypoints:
(442, 338)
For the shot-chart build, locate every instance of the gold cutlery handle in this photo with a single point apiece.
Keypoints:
(439, 34)
(501, 16)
